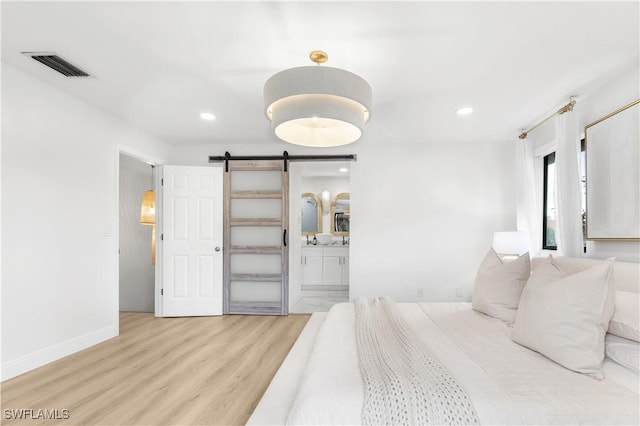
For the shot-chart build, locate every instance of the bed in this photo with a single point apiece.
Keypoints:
(320, 381)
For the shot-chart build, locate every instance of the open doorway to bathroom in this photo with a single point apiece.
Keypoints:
(320, 216)
(136, 256)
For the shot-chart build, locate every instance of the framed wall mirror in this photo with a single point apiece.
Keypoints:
(311, 214)
(612, 146)
(341, 214)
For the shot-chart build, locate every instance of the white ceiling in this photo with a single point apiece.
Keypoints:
(159, 64)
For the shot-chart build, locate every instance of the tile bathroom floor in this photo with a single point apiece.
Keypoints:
(319, 301)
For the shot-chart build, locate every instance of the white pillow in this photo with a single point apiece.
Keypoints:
(565, 317)
(626, 317)
(498, 286)
(623, 351)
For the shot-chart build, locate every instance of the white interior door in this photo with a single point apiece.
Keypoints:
(191, 238)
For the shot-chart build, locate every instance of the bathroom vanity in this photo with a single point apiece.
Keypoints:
(325, 267)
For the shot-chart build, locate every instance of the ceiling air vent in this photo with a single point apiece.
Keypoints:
(56, 63)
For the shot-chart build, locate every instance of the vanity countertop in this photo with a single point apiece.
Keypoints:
(319, 246)
(334, 244)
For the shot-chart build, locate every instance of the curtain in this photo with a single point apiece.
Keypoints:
(569, 235)
(528, 214)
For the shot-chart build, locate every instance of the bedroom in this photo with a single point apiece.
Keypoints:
(454, 175)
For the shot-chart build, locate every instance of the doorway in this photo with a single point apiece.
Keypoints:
(319, 274)
(136, 258)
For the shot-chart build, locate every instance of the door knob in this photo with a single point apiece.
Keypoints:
(217, 248)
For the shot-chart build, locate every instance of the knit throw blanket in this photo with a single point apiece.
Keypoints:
(404, 384)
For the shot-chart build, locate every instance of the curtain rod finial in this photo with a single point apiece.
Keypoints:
(523, 135)
(568, 107)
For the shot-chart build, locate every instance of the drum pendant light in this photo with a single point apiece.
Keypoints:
(317, 106)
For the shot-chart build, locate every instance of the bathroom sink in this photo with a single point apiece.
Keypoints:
(324, 238)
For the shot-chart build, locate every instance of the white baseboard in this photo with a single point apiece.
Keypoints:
(42, 357)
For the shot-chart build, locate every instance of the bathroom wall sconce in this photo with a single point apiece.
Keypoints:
(148, 214)
(510, 244)
(325, 197)
(148, 208)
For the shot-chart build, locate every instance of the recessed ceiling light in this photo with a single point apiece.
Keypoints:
(207, 116)
(343, 170)
(464, 110)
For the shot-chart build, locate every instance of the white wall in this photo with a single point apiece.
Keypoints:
(423, 214)
(425, 217)
(59, 221)
(137, 273)
(295, 232)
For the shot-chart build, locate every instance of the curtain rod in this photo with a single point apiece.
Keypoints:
(285, 157)
(567, 108)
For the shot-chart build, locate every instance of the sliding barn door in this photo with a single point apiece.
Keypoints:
(192, 238)
(256, 253)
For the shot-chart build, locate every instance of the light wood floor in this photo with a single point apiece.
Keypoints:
(162, 371)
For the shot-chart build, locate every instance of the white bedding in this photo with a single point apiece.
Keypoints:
(507, 383)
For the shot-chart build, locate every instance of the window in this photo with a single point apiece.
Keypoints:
(548, 203)
(549, 221)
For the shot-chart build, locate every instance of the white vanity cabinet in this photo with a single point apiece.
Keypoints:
(325, 267)
(312, 265)
(345, 269)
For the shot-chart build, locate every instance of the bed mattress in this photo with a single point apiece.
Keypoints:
(507, 383)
